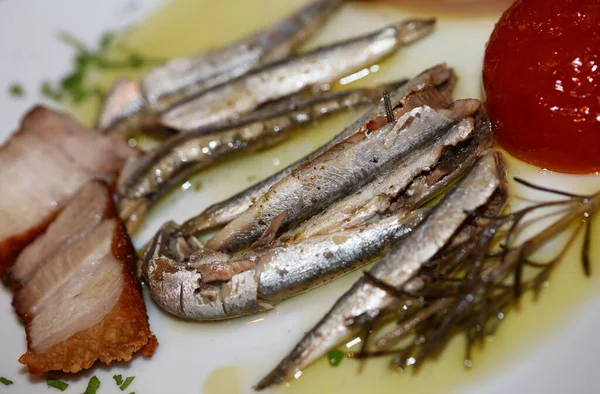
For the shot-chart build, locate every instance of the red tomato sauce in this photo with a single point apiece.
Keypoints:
(542, 81)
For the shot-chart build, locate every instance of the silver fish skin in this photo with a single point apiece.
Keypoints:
(376, 197)
(277, 80)
(180, 156)
(412, 182)
(183, 77)
(396, 268)
(455, 163)
(225, 211)
(339, 171)
(267, 275)
(131, 107)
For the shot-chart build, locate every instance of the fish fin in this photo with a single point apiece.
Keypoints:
(268, 236)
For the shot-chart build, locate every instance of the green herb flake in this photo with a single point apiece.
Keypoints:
(106, 40)
(5, 381)
(73, 85)
(72, 41)
(136, 61)
(118, 379)
(335, 357)
(16, 90)
(127, 382)
(50, 92)
(57, 384)
(93, 385)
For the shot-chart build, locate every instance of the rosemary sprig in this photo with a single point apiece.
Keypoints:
(468, 287)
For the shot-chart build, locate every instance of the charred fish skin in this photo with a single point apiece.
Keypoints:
(181, 156)
(276, 80)
(404, 189)
(377, 197)
(453, 165)
(396, 268)
(211, 286)
(183, 77)
(341, 170)
(130, 106)
(224, 212)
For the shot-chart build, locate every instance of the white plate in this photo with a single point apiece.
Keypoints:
(551, 347)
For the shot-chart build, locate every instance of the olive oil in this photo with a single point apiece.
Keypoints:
(184, 27)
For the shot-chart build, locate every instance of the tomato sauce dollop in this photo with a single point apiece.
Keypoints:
(542, 81)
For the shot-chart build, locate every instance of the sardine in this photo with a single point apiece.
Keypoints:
(183, 77)
(339, 171)
(225, 211)
(131, 105)
(211, 286)
(310, 70)
(395, 269)
(182, 155)
(415, 179)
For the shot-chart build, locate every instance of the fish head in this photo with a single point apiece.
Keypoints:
(194, 283)
(414, 29)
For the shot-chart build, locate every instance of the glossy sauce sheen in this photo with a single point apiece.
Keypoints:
(229, 357)
(542, 80)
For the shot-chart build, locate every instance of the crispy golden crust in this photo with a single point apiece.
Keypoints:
(122, 333)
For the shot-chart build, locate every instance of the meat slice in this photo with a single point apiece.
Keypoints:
(83, 304)
(92, 204)
(54, 275)
(42, 166)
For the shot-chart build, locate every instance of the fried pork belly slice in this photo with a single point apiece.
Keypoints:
(42, 165)
(85, 305)
(90, 205)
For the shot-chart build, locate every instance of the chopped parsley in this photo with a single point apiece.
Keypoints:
(93, 385)
(57, 384)
(118, 379)
(50, 92)
(127, 382)
(73, 86)
(335, 357)
(5, 381)
(16, 90)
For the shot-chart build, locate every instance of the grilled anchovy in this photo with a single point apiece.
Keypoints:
(184, 77)
(182, 155)
(413, 181)
(277, 80)
(339, 171)
(223, 212)
(211, 286)
(208, 285)
(130, 106)
(397, 268)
